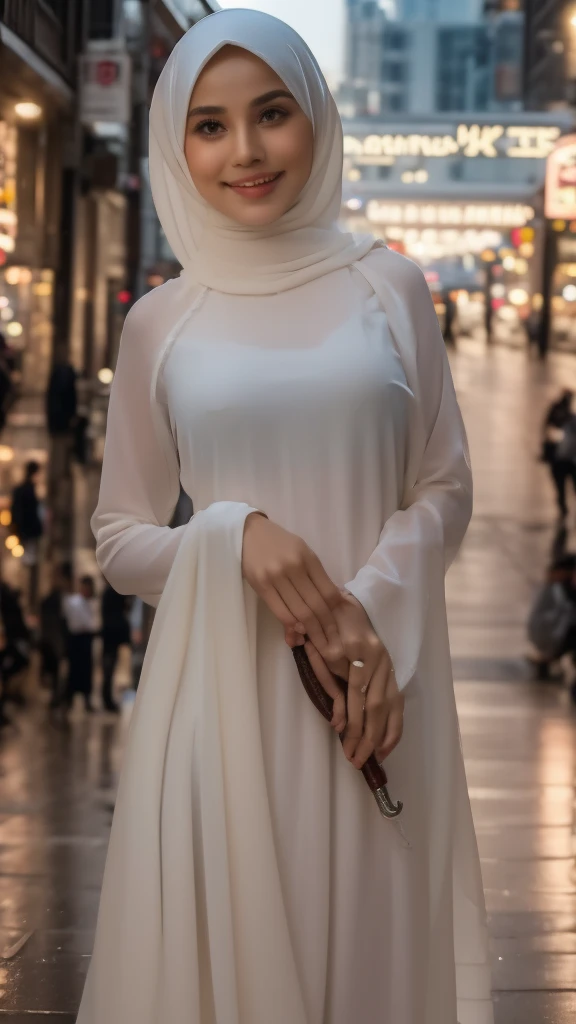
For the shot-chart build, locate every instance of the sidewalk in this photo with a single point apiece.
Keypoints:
(519, 737)
(519, 740)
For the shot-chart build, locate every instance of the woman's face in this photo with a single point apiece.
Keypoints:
(249, 146)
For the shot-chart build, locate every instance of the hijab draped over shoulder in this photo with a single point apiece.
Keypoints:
(215, 251)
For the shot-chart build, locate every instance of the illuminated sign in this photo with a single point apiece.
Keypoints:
(560, 196)
(474, 140)
(488, 215)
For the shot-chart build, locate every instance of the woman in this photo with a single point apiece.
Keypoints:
(296, 373)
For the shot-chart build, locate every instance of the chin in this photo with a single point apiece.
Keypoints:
(259, 216)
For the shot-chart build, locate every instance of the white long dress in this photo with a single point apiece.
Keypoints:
(300, 404)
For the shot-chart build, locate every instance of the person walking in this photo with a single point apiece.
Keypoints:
(294, 380)
(82, 626)
(27, 524)
(61, 398)
(115, 610)
(54, 632)
(559, 446)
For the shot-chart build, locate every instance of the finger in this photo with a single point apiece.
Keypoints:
(376, 714)
(314, 600)
(393, 735)
(330, 684)
(358, 678)
(302, 612)
(279, 609)
(293, 638)
(330, 592)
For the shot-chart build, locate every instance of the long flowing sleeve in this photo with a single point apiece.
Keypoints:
(139, 488)
(418, 543)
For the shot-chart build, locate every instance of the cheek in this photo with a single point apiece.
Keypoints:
(204, 162)
(298, 148)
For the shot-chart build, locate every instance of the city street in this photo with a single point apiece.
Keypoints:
(57, 784)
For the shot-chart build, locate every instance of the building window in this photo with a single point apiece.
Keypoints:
(463, 78)
(393, 71)
(396, 102)
(394, 39)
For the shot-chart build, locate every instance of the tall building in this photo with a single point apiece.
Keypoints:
(436, 56)
(549, 65)
(507, 26)
(364, 44)
(464, 61)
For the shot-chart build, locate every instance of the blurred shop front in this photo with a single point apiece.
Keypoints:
(37, 67)
(120, 252)
(560, 212)
(464, 199)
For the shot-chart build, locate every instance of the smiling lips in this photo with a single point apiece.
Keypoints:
(256, 187)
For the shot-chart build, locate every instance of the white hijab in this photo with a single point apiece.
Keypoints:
(214, 250)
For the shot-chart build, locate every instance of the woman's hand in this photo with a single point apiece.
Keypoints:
(292, 581)
(374, 718)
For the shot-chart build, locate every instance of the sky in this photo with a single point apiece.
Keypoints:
(320, 22)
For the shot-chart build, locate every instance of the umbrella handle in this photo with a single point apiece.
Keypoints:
(372, 771)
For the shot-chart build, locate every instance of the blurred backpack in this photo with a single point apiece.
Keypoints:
(552, 617)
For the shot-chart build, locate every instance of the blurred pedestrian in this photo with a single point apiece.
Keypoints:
(80, 612)
(138, 637)
(559, 446)
(15, 652)
(54, 632)
(8, 354)
(27, 524)
(6, 382)
(532, 327)
(115, 633)
(81, 435)
(61, 399)
(552, 621)
(449, 318)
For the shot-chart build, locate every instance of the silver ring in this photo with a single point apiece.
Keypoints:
(358, 664)
(364, 688)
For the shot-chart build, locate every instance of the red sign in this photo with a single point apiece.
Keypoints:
(106, 72)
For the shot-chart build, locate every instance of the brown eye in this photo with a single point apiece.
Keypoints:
(273, 115)
(208, 128)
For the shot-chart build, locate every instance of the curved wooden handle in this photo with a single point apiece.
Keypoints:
(373, 772)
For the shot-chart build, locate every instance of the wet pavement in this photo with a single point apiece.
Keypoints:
(57, 783)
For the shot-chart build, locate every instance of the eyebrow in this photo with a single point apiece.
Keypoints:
(275, 94)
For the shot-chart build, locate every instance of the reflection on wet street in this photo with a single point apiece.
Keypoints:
(57, 784)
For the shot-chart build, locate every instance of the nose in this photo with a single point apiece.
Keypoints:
(248, 149)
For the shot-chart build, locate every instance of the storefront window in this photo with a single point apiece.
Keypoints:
(25, 291)
(26, 297)
(8, 219)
